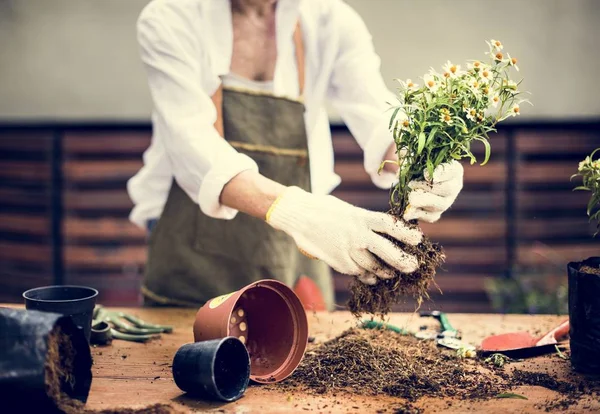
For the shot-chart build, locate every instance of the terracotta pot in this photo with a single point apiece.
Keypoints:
(268, 317)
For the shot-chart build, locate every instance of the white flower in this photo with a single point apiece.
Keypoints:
(475, 85)
(512, 62)
(408, 85)
(471, 113)
(495, 100)
(486, 75)
(476, 66)
(431, 82)
(496, 44)
(585, 163)
(452, 70)
(445, 117)
(515, 110)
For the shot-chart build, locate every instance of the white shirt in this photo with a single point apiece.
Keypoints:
(186, 48)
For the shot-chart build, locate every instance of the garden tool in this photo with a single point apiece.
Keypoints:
(108, 325)
(370, 324)
(523, 344)
(446, 330)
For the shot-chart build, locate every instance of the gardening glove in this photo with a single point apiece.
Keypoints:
(119, 325)
(429, 198)
(349, 239)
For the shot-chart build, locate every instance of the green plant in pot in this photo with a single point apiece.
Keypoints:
(434, 125)
(584, 282)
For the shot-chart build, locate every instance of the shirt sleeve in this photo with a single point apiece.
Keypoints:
(358, 92)
(202, 161)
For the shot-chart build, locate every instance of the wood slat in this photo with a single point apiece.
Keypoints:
(559, 228)
(25, 224)
(557, 142)
(30, 171)
(100, 171)
(26, 141)
(544, 200)
(11, 252)
(560, 253)
(81, 256)
(15, 197)
(106, 142)
(97, 200)
(78, 230)
(546, 172)
(465, 229)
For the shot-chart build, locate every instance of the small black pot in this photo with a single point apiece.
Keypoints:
(75, 301)
(218, 369)
(23, 352)
(584, 317)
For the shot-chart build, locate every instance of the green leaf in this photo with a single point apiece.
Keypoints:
(581, 187)
(488, 150)
(441, 156)
(393, 117)
(511, 395)
(430, 168)
(431, 135)
(421, 144)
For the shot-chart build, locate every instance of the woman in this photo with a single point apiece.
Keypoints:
(241, 160)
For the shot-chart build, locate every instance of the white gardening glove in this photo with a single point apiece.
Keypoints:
(343, 236)
(430, 198)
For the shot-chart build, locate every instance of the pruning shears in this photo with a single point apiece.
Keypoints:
(446, 330)
(108, 325)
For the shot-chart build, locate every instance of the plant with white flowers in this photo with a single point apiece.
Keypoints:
(433, 124)
(589, 171)
(438, 121)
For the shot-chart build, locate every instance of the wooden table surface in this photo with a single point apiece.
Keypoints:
(135, 375)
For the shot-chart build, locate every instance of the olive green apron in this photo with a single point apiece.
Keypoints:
(192, 257)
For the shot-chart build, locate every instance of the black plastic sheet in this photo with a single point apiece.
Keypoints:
(23, 350)
(584, 316)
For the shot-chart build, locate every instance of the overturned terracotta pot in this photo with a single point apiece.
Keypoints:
(268, 318)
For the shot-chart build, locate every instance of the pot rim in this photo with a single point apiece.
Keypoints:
(27, 294)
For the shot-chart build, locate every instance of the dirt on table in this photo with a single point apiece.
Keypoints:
(378, 299)
(382, 362)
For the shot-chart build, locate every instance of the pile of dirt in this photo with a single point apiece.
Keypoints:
(372, 362)
(378, 299)
(382, 362)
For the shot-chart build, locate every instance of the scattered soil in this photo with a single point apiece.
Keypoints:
(382, 362)
(590, 270)
(153, 409)
(373, 362)
(378, 299)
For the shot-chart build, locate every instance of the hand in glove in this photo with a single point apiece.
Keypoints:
(430, 198)
(343, 236)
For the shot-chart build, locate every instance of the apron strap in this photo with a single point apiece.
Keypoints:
(217, 98)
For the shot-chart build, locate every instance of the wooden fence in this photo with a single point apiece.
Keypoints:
(64, 208)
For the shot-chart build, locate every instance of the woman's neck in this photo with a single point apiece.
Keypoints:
(253, 7)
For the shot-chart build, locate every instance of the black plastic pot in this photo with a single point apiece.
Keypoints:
(75, 301)
(23, 352)
(584, 317)
(218, 369)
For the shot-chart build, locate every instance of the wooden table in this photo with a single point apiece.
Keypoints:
(135, 375)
